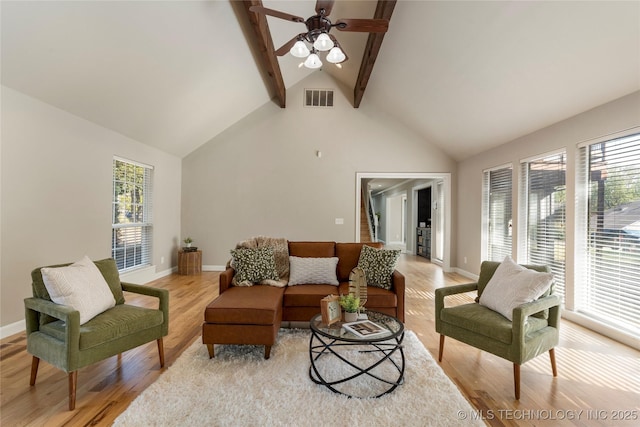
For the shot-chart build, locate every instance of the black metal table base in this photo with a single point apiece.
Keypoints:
(321, 346)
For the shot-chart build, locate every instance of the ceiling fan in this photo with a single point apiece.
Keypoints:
(318, 36)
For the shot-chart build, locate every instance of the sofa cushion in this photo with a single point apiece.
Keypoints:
(378, 265)
(306, 270)
(81, 286)
(349, 255)
(117, 322)
(307, 295)
(484, 321)
(376, 297)
(512, 285)
(253, 265)
(256, 305)
(312, 249)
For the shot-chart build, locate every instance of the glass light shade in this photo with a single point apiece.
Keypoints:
(299, 50)
(336, 55)
(313, 61)
(323, 42)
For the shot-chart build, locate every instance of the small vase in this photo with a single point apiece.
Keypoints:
(350, 317)
(188, 245)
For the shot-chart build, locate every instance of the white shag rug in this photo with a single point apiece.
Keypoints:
(240, 388)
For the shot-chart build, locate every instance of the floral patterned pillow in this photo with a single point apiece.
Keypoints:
(253, 266)
(378, 265)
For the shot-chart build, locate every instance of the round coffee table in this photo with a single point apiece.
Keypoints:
(369, 366)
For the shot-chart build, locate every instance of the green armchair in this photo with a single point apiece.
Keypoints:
(54, 333)
(533, 331)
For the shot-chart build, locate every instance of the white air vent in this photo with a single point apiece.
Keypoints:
(318, 97)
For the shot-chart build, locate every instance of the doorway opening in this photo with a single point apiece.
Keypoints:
(396, 221)
(374, 190)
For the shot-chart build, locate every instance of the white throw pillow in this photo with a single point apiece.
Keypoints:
(513, 285)
(81, 286)
(318, 271)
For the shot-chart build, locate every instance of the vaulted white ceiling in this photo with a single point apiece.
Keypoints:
(467, 76)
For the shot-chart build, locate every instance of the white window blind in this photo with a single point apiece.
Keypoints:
(131, 211)
(497, 212)
(611, 229)
(544, 193)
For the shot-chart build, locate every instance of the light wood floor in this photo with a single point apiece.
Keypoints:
(595, 375)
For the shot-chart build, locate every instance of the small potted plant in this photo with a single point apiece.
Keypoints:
(188, 241)
(351, 305)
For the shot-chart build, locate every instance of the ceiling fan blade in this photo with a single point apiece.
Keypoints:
(285, 48)
(363, 25)
(276, 13)
(327, 5)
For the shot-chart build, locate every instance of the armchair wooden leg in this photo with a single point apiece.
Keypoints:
(161, 352)
(35, 362)
(267, 351)
(552, 356)
(211, 351)
(441, 348)
(516, 379)
(73, 381)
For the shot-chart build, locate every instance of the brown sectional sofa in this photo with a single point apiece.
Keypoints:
(253, 315)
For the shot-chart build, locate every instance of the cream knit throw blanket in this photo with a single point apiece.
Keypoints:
(280, 248)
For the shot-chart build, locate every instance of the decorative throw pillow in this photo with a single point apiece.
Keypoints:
(81, 286)
(378, 265)
(512, 285)
(253, 265)
(307, 271)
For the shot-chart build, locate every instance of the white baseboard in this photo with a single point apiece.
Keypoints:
(164, 273)
(465, 273)
(146, 275)
(139, 276)
(12, 329)
(214, 268)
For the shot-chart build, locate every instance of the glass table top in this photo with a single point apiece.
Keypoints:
(394, 327)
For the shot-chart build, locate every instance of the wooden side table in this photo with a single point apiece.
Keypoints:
(189, 262)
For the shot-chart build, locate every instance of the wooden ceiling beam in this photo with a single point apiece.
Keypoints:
(267, 57)
(384, 10)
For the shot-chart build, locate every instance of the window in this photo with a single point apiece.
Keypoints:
(497, 213)
(131, 214)
(609, 223)
(544, 196)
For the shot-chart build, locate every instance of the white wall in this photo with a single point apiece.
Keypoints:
(618, 115)
(56, 194)
(262, 176)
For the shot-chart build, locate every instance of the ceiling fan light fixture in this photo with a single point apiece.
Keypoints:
(313, 61)
(323, 42)
(300, 50)
(336, 55)
(317, 35)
